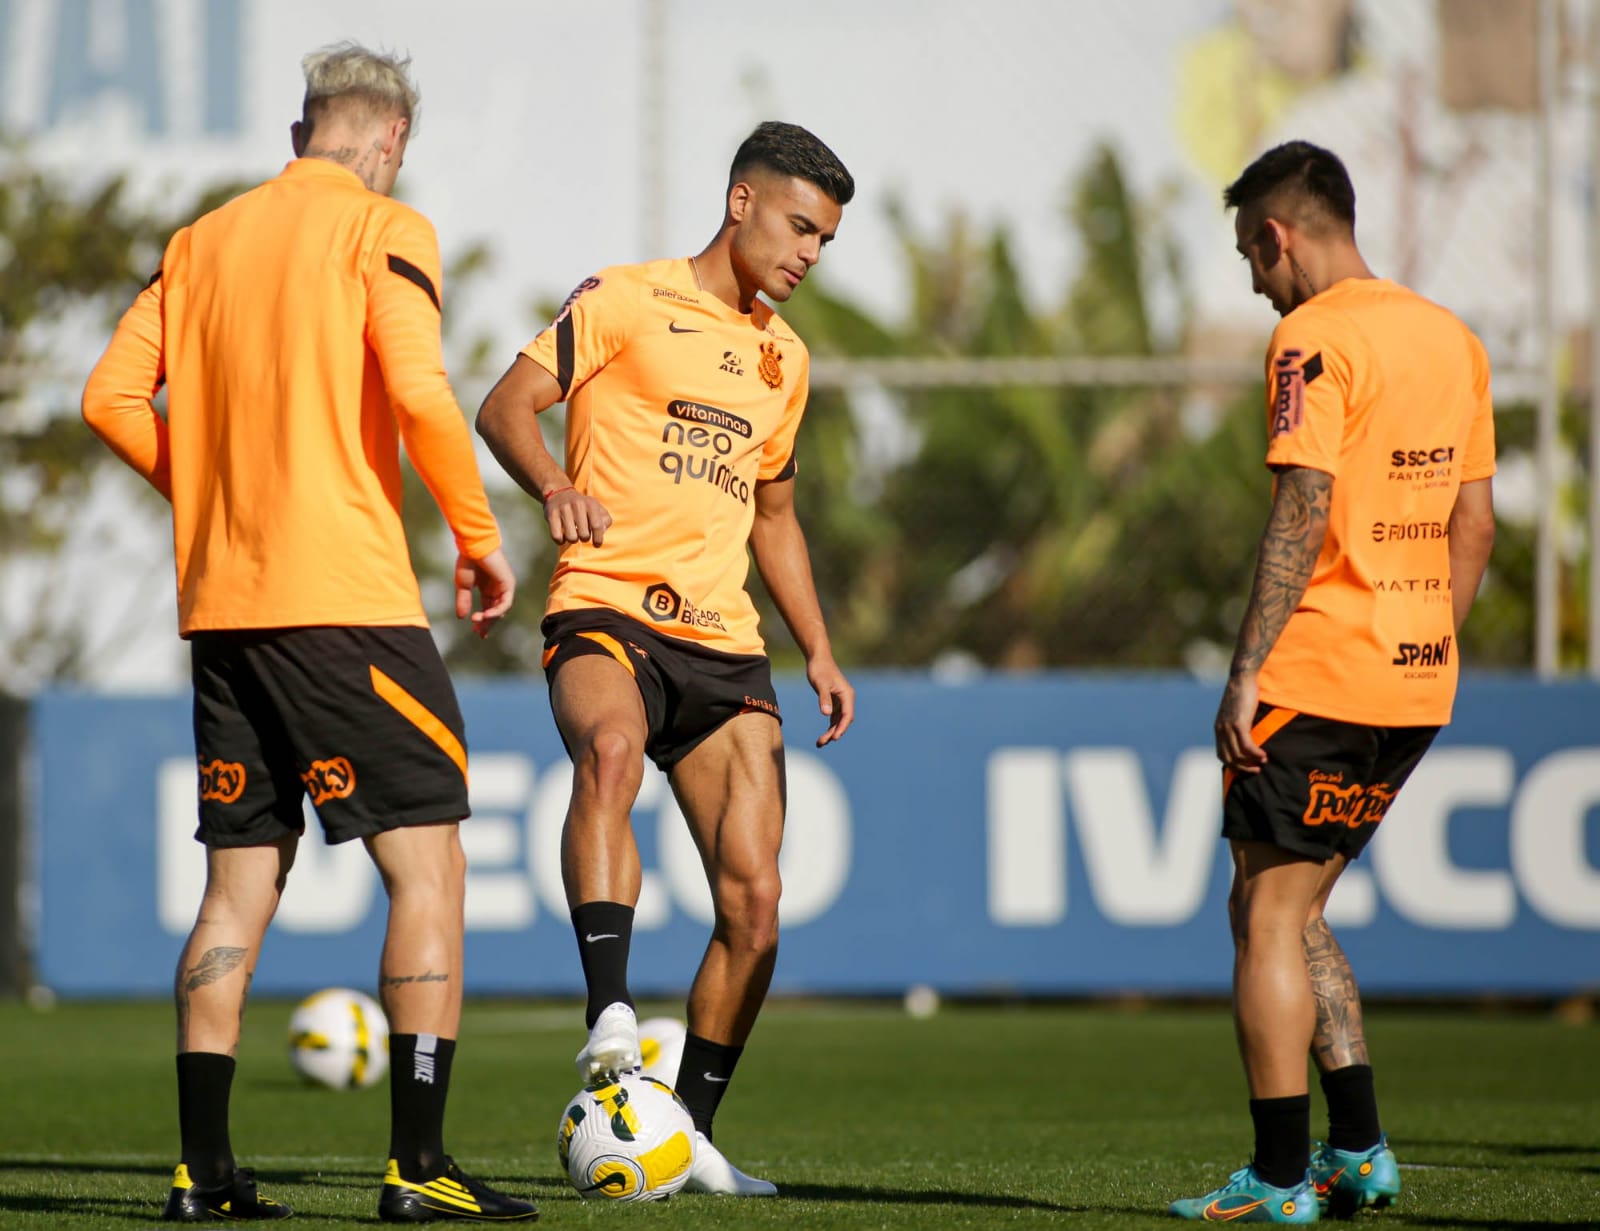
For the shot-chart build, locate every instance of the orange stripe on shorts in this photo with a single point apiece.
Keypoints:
(612, 647)
(1276, 719)
(421, 717)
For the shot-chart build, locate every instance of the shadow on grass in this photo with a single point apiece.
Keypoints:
(1394, 1219)
(941, 1196)
(1506, 1150)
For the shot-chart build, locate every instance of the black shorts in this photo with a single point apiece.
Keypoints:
(364, 720)
(688, 690)
(1326, 784)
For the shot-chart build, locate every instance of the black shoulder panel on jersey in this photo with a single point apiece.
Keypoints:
(154, 278)
(790, 469)
(566, 353)
(408, 271)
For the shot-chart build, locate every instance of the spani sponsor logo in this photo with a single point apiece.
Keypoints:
(1423, 654)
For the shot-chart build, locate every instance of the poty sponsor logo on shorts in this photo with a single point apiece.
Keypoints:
(702, 451)
(222, 781)
(1409, 531)
(1423, 654)
(334, 778)
(1330, 803)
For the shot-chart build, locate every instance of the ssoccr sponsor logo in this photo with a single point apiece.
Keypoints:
(1422, 457)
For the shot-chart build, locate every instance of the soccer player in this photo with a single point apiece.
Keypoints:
(684, 391)
(297, 331)
(1381, 441)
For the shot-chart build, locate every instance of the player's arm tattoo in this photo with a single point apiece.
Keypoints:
(1340, 1038)
(1288, 554)
(425, 977)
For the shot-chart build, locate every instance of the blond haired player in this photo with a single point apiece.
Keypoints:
(297, 331)
(684, 392)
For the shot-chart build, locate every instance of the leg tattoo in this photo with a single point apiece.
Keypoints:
(1340, 1037)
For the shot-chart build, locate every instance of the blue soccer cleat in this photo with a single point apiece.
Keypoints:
(1348, 1180)
(1246, 1197)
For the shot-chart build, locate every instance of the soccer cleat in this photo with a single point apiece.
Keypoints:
(451, 1194)
(613, 1045)
(1246, 1197)
(711, 1172)
(237, 1198)
(1347, 1180)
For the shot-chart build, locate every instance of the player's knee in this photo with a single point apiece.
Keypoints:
(610, 764)
(748, 907)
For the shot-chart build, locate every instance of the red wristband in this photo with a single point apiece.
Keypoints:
(556, 491)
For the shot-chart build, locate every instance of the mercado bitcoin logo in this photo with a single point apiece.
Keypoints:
(662, 603)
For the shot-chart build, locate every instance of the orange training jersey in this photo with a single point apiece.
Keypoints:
(1389, 394)
(676, 406)
(297, 331)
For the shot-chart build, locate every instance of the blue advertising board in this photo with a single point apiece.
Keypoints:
(1049, 834)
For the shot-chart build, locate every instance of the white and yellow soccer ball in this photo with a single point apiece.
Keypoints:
(628, 1139)
(661, 1048)
(339, 1038)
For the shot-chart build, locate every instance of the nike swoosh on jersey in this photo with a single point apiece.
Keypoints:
(674, 327)
(709, 1077)
(594, 936)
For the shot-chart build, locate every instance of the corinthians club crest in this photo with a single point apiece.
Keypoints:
(771, 368)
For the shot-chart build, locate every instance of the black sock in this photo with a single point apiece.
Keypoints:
(703, 1076)
(1283, 1138)
(204, 1082)
(419, 1082)
(604, 931)
(1352, 1108)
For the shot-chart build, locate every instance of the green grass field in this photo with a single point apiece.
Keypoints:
(1090, 1116)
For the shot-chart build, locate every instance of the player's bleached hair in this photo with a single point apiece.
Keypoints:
(1302, 180)
(789, 149)
(347, 72)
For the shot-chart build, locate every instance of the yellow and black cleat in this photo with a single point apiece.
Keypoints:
(451, 1194)
(235, 1199)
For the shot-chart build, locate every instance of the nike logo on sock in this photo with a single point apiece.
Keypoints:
(594, 936)
(710, 1077)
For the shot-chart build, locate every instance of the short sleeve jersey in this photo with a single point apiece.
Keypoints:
(297, 331)
(677, 406)
(1388, 393)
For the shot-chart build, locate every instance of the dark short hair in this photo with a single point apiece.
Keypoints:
(788, 149)
(1297, 176)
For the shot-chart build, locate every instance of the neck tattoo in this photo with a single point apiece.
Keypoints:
(1304, 277)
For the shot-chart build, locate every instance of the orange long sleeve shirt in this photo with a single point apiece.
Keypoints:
(297, 331)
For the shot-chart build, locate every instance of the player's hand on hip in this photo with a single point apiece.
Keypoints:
(494, 581)
(835, 698)
(576, 518)
(1235, 716)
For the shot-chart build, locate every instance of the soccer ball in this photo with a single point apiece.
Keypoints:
(661, 1048)
(629, 1139)
(339, 1038)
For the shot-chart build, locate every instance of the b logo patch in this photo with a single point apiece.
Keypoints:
(331, 779)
